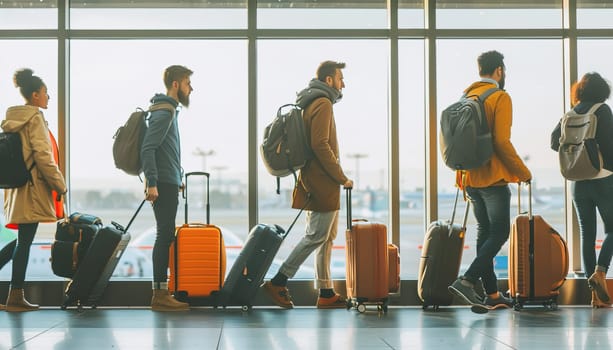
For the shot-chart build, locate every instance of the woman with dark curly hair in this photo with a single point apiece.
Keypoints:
(596, 193)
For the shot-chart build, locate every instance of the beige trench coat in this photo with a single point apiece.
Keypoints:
(32, 202)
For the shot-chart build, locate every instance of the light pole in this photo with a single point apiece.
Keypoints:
(218, 176)
(357, 157)
(204, 154)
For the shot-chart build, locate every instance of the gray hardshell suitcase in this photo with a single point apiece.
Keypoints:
(92, 276)
(441, 256)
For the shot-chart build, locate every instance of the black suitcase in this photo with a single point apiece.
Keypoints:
(441, 255)
(96, 268)
(250, 267)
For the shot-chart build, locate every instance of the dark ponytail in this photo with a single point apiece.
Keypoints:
(27, 82)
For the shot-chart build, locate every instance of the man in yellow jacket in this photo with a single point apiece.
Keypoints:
(318, 189)
(487, 186)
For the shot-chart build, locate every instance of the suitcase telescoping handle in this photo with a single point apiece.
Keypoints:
(529, 184)
(455, 205)
(208, 206)
(121, 228)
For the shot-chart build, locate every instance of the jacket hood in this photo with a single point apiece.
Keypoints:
(159, 98)
(18, 116)
(315, 90)
(478, 84)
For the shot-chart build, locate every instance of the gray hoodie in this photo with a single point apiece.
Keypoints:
(161, 149)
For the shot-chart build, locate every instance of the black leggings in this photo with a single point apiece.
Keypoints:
(19, 251)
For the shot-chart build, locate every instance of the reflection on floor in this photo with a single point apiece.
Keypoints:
(308, 328)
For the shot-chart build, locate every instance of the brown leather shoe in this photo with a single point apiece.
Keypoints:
(163, 301)
(16, 302)
(279, 295)
(2, 307)
(597, 303)
(336, 302)
(598, 283)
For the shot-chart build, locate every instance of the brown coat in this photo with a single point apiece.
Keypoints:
(32, 202)
(323, 175)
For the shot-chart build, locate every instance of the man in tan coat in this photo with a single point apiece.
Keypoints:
(317, 190)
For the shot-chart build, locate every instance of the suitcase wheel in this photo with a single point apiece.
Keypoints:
(361, 308)
(246, 308)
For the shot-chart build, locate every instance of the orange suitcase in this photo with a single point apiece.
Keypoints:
(394, 268)
(197, 256)
(538, 260)
(367, 263)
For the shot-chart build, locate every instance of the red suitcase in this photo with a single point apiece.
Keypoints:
(538, 259)
(367, 263)
(197, 256)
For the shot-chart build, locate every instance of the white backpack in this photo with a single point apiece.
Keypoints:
(579, 154)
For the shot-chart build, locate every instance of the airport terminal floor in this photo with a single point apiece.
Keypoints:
(569, 327)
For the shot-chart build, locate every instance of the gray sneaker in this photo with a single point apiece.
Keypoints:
(501, 301)
(467, 293)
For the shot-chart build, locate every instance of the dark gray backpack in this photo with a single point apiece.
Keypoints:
(285, 148)
(465, 138)
(14, 172)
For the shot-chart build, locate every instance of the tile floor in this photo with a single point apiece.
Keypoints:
(308, 328)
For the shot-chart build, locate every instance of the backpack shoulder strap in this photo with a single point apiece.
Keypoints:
(164, 105)
(594, 108)
(487, 94)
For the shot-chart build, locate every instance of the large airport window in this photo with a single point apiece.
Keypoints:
(411, 154)
(40, 14)
(337, 14)
(411, 13)
(537, 96)
(361, 123)
(106, 88)
(145, 14)
(593, 14)
(517, 14)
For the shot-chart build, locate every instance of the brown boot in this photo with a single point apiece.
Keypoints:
(598, 283)
(597, 303)
(163, 301)
(2, 307)
(16, 302)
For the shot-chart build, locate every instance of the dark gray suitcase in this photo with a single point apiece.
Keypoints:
(441, 255)
(96, 268)
(250, 267)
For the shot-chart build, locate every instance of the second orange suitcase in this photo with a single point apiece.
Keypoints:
(538, 260)
(367, 263)
(394, 268)
(197, 256)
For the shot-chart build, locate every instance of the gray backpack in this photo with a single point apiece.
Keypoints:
(128, 139)
(579, 155)
(465, 138)
(285, 148)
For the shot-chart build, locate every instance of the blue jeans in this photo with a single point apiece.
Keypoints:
(19, 251)
(588, 196)
(165, 211)
(491, 206)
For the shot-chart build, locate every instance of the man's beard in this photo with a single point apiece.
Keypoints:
(183, 98)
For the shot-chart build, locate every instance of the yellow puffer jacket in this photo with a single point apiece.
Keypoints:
(505, 166)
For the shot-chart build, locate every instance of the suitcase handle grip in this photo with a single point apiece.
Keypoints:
(529, 184)
(208, 206)
(349, 220)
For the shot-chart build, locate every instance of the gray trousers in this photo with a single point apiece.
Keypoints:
(321, 229)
